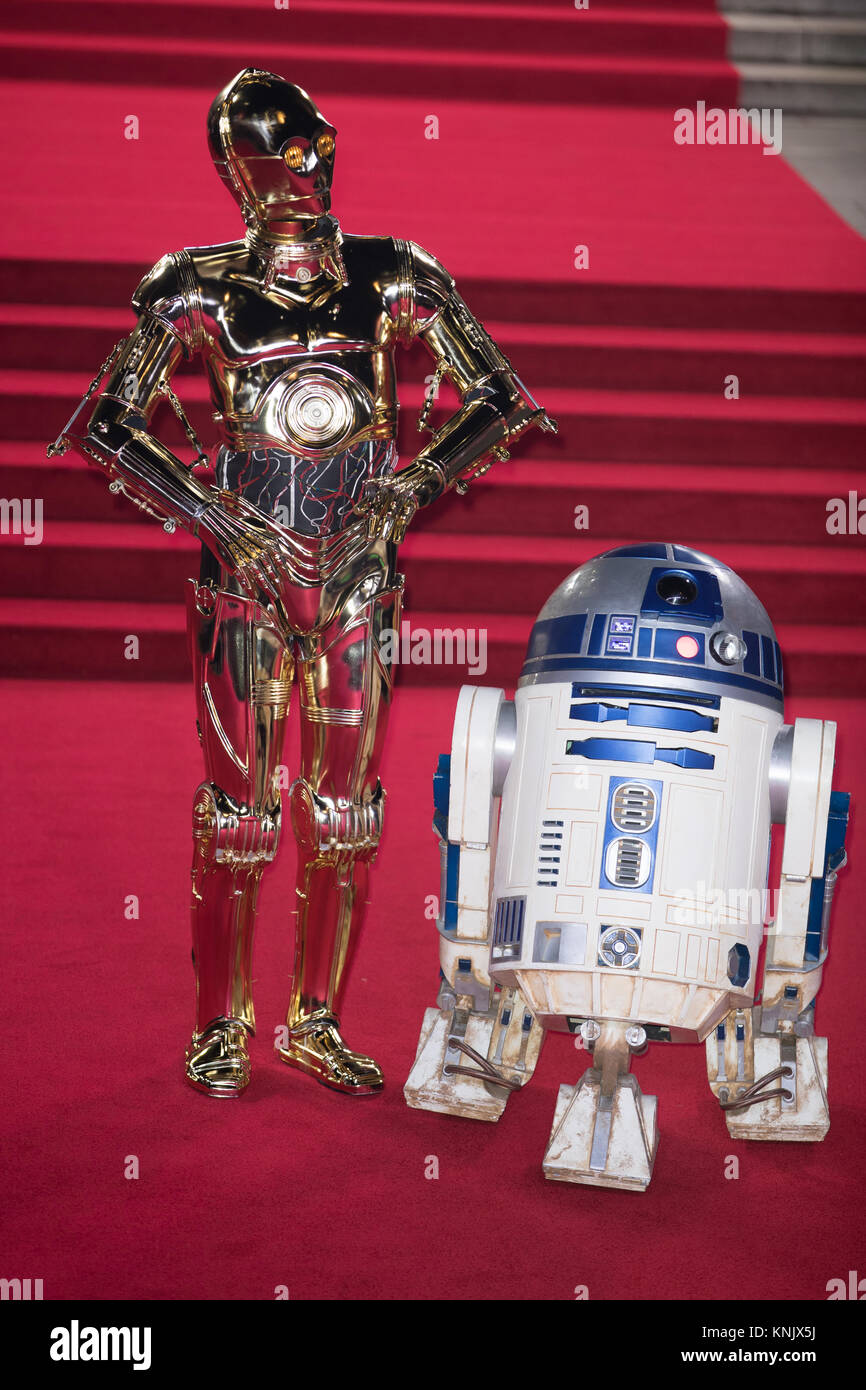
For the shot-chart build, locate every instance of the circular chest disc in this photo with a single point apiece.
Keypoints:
(317, 411)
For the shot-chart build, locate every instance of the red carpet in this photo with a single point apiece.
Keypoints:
(555, 132)
(292, 1184)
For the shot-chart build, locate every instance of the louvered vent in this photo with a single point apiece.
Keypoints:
(634, 807)
(508, 928)
(549, 853)
(629, 854)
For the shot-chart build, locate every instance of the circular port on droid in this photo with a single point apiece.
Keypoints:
(677, 589)
(727, 648)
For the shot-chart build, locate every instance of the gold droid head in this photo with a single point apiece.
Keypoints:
(273, 149)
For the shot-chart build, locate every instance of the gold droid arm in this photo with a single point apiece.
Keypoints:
(118, 438)
(496, 407)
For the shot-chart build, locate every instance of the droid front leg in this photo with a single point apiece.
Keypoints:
(770, 1085)
(604, 1131)
(765, 1064)
(473, 1052)
(479, 1045)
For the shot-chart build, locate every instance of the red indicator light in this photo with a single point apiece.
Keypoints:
(688, 647)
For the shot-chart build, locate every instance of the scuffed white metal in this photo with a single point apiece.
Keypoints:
(622, 1158)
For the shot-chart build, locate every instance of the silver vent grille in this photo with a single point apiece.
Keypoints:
(634, 807)
(549, 853)
(508, 928)
(629, 854)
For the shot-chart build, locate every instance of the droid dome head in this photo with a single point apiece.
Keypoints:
(273, 149)
(657, 617)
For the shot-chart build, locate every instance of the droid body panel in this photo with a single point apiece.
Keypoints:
(296, 327)
(605, 841)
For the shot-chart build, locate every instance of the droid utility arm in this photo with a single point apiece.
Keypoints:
(466, 791)
(478, 1046)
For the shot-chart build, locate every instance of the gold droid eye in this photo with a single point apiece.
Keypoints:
(294, 157)
(325, 146)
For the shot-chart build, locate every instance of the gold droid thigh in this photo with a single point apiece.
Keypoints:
(337, 807)
(243, 673)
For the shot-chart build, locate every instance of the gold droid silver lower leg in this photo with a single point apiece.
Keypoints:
(335, 845)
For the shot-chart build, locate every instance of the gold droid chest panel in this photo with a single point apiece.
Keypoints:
(315, 409)
(309, 369)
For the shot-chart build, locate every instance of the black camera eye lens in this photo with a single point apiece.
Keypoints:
(677, 589)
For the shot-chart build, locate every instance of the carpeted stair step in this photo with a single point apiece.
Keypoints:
(48, 338)
(703, 505)
(660, 427)
(444, 570)
(502, 29)
(709, 507)
(75, 639)
(65, 285)
(458, 73)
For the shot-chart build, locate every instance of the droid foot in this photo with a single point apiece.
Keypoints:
(792, 1072)
(429, 1087)
(604, 1141)
(217, 1061)
(316, 1047)
(468, 1062)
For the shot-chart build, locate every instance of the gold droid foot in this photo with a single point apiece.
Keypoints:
(217, 1061)
(316, 1047)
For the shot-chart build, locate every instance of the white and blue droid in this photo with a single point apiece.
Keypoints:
(605, 860)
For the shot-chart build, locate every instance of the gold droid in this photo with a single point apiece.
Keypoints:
(296, 326)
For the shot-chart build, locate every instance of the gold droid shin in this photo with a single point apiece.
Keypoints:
(296, 326)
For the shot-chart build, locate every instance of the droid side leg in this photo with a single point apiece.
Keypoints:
(604, 1129)
(766, 1067)
(478, 1045)
(243, 673)
(337, 807)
